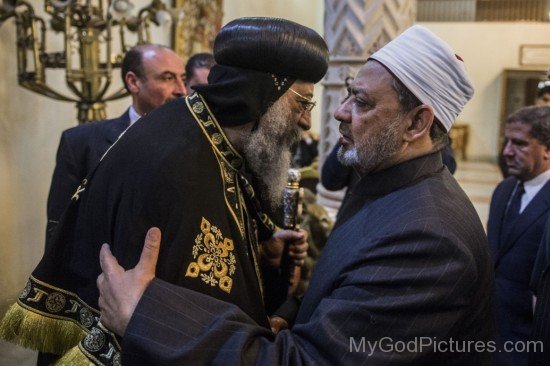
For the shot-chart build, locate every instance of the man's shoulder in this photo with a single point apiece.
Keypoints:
(436, 200)
(173, 109)
(511, 180)
(505, 185)
(95, 127)
(166, 132)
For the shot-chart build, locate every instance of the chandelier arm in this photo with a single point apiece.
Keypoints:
(24, 3)
(87, 26)
(46, 91)
(5, 15)
(121, 93)
(123, 46)
(104, 89)
(39, 74)
(75, 90)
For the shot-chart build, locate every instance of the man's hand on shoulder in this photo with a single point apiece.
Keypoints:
(120, 290)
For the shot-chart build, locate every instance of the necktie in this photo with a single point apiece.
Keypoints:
(512, 209)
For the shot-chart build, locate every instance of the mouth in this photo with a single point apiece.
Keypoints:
(510, 165)
(346, 137)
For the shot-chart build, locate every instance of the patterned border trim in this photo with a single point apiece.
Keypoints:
(213, 131)
(57, 303)
(99, 345)
(210, 126)
(228, 159)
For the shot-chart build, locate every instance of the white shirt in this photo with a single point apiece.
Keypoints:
(532, 187)
(134, 116)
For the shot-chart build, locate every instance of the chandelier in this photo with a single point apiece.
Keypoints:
(88, 28)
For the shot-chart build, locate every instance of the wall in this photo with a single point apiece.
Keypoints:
(307, 12)
(30, 127)
(487, 49)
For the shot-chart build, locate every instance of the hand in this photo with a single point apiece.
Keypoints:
(272, 249)
(120, 290)
(277, 324)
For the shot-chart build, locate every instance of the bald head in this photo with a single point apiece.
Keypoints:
(153, 74)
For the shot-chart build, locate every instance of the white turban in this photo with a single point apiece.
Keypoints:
(429, 68)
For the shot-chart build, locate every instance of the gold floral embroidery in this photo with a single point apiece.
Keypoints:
(215, 261)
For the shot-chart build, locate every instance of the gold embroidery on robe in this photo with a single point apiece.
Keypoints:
(214, 258)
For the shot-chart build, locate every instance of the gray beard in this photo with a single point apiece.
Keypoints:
(366, 155)
(268, 151)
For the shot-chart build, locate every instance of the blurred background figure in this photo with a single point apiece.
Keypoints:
(542, 99)
(543, 96)
(197, 70)
(305, 152)
(518, 212)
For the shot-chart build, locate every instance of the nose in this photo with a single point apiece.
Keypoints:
(179, 89)
(305, 121)
(508, 150)
(342, 113)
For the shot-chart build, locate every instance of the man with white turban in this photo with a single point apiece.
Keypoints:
(405, 278)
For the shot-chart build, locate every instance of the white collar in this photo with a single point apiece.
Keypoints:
(532, 187)
(538, 181)
(133, 114)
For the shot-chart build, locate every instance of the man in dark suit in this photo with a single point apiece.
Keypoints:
(540, 285)
(519, 207)
(405, 277)
(152, 74)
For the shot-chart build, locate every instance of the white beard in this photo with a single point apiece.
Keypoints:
(369, 152)
(268, 151)
(348, 157)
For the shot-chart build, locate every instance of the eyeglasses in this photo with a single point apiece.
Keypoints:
(307, 103)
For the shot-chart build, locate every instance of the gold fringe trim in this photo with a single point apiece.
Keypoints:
(39, 332)
(75, 357)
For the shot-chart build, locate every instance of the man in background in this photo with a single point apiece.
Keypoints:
(540, 285)
(543, 96)
(197, 70)
(153, 75)
(542, 100)
(519, 208)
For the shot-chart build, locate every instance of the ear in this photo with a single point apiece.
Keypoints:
(546, 152)
(132, 82)
(421, 120)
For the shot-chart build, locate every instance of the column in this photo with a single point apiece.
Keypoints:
(354, 29)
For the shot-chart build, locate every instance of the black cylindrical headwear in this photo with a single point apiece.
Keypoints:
(258, 59)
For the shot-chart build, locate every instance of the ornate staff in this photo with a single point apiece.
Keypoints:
(292, 207)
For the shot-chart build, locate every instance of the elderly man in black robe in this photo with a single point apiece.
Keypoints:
(204, 169)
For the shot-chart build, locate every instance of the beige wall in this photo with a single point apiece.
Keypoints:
(307, 12)
(487, 49)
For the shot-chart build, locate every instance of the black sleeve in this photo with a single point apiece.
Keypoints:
(542, 260)
(67, 175)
